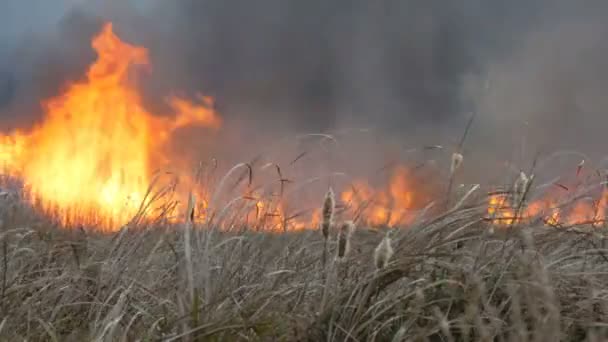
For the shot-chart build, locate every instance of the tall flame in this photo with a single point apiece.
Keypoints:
(92, 154)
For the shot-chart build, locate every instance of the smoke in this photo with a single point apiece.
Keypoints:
(532, 70)
(43, 45)
(546, 94)
(317, 65)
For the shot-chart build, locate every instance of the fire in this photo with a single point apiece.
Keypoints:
(91, 157)
(396, 204)
(501, 211)
(271, 217)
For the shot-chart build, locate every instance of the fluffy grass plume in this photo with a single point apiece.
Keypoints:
(383, 253)
(456, 162)
(519, 188)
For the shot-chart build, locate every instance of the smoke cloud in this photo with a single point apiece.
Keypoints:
(547, 93)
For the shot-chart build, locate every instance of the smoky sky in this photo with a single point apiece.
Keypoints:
(412, 68)
(298, 61)
(318, 63)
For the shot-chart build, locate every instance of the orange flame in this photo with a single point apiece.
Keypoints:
(271, 217)
(91, 156)
(396, 204)
(501, 212)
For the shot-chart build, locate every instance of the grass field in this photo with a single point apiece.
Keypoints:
(448, 278)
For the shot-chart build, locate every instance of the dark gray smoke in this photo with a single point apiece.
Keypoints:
(308, 61)
(412, 69)
(317, 64)
(42, 46)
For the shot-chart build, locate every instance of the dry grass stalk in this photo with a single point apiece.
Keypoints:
(188, 245)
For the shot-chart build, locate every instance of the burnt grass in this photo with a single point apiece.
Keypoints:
(451, 278)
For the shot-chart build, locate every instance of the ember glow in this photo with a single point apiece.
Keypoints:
(91, 157)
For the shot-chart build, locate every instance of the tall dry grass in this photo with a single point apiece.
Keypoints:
(442, 283)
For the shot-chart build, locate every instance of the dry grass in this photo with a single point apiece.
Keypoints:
(449, 279)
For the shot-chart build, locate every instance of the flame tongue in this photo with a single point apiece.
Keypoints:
(93, 153)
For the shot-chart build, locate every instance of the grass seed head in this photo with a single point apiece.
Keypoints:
(519, 188)
(344, 234)
(383, 253)
(329, 204)
(521, 182)
(457, 159)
